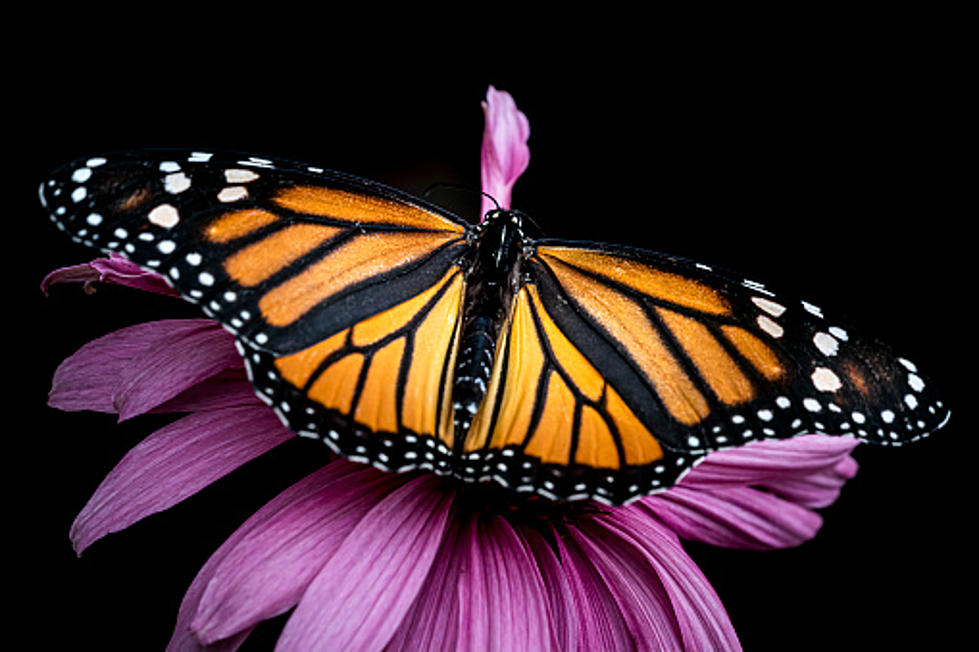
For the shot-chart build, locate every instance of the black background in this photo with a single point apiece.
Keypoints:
(821, 149)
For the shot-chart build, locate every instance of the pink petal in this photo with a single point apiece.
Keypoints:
(699, 615)
(105, 373)
(771, 460)
(173, 463)
(269, 569)
(808, 470)
(361, 595)
(229, 388)
(115, 269)
(601, 623)
(734, 517)
(640, 596)
(565, 613)
(504, 154)
(170, 364)
(316, 486)
(432, 622)
(501, 596)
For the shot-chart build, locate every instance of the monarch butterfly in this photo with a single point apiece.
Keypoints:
(404, 337)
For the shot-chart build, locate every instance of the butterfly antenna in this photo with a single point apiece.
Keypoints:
(458, 188)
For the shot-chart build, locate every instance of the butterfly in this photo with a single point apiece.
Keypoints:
(404, 337)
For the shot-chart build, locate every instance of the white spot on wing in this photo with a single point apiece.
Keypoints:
(771, 307)
(176, 183)
(825, 380)
(164, 215)
(237, 175)
(232, 193)
(826, 343)
(770, 326)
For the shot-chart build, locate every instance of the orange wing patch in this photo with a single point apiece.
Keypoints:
(238, 224)
(755, 351)
(360, 209)
(718, 369)
(261, 260)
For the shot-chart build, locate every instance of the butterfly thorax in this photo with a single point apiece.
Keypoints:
(492, 276)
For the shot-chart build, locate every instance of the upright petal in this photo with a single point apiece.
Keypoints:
(505, 154)
(173, 463)
(361, 595)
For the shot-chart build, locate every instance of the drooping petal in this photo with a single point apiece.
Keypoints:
(501, 596)
(267, 569)
(115, 270)
(432, 622)
(505, 154)
(697, 611)
(601, 623)
(734, 517)
(808, 470)
(171, 364)
(770, 460)
(108, 371)
(173, 463)
(565, 614)
(640, 596)
(361, 595)
(229, 388)
(318, 484)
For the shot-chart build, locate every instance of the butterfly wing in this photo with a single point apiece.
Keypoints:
(344, 295)
(620, 368)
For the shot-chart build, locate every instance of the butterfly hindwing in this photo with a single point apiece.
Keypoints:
(551, 423)
(709, 360)
(344, 295)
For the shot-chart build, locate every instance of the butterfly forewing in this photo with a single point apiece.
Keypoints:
(708, 360)
(344, 294)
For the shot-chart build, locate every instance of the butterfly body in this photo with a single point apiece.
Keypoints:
(492, 273)
(404, 337)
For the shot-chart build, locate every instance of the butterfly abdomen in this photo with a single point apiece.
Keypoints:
(490, 274)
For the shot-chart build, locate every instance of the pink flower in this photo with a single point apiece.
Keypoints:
(370, 560)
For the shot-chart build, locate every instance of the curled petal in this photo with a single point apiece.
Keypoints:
(360, 596)
(173, 463)
(601, 622)
(505, 154)
(115, 270)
